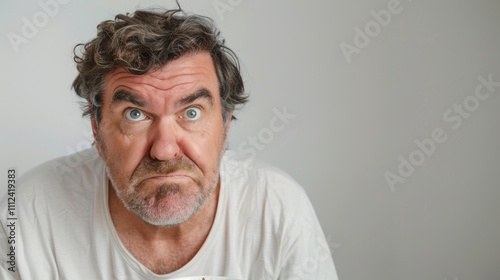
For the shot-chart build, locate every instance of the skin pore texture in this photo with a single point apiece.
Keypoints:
(162, 136)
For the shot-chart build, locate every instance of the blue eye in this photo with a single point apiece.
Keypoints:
(192, 114)
(134, 114)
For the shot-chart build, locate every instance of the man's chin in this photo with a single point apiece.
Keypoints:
(168, 212)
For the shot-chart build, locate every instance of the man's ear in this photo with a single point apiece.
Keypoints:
(93, 122)
(228, 122)
(95, 127)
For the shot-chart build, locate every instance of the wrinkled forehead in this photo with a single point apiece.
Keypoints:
(185, 74)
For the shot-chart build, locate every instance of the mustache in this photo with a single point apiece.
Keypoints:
(149, 167)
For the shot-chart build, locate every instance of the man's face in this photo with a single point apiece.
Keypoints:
(162, 136)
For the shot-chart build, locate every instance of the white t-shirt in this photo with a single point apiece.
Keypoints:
(265, 227)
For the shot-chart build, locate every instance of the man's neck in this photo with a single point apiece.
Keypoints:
(168, 248)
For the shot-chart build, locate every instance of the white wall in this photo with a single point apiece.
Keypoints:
(355, 115)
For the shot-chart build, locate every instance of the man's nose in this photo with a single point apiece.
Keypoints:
(165, 144)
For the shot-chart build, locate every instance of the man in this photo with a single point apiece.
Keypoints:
(159, 197)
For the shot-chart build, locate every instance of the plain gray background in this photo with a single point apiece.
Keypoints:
(358, 116)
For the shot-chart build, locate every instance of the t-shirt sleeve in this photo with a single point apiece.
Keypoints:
(309, 257)
(306, 253)
(5, 274)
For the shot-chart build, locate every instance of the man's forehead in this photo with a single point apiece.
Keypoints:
(186, 70)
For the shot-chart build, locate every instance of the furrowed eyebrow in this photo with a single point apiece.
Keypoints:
(201, 93)
(125, 96)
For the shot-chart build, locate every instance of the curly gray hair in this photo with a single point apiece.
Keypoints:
(147, 40)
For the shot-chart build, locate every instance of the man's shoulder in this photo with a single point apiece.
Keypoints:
(62, 171)
(265, 197)
(253, 176)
